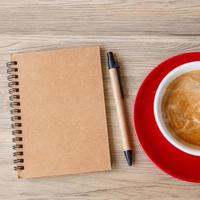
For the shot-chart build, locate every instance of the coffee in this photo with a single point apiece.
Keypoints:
(181, 107)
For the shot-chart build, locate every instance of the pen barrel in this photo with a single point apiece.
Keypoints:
(119, 101)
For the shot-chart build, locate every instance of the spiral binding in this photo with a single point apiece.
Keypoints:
(14, 98)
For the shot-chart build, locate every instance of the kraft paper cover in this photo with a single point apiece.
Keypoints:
(63, 114)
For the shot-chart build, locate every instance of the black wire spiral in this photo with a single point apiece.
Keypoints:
(14, 98)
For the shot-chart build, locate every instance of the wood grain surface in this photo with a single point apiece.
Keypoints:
(142, 33)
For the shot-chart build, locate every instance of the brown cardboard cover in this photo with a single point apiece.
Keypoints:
(64, 125)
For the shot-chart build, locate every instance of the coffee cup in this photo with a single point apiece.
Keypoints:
(161, 123)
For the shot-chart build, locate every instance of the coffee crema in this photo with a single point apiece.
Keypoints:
(181, 107)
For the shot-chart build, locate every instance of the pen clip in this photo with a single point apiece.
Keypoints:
(112, 63)
(120, 82)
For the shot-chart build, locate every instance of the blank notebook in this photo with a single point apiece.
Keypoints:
(58, 112)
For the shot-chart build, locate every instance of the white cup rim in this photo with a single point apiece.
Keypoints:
(190, 66)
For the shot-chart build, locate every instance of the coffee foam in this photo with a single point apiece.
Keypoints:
(181, 107)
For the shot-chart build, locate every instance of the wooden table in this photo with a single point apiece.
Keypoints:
(142, 33)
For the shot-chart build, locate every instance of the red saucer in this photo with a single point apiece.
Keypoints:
(167, 157)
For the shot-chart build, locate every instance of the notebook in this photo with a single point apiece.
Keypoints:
(58, 112)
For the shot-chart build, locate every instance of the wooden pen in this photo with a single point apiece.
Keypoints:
(119, 102)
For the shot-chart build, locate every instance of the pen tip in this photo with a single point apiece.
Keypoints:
(129, 158)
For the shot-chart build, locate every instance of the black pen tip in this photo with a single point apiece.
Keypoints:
(111, 60)
(129, 157)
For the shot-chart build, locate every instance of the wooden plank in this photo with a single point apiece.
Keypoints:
(76, 17)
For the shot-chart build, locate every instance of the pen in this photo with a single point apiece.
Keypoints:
(119, 102)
